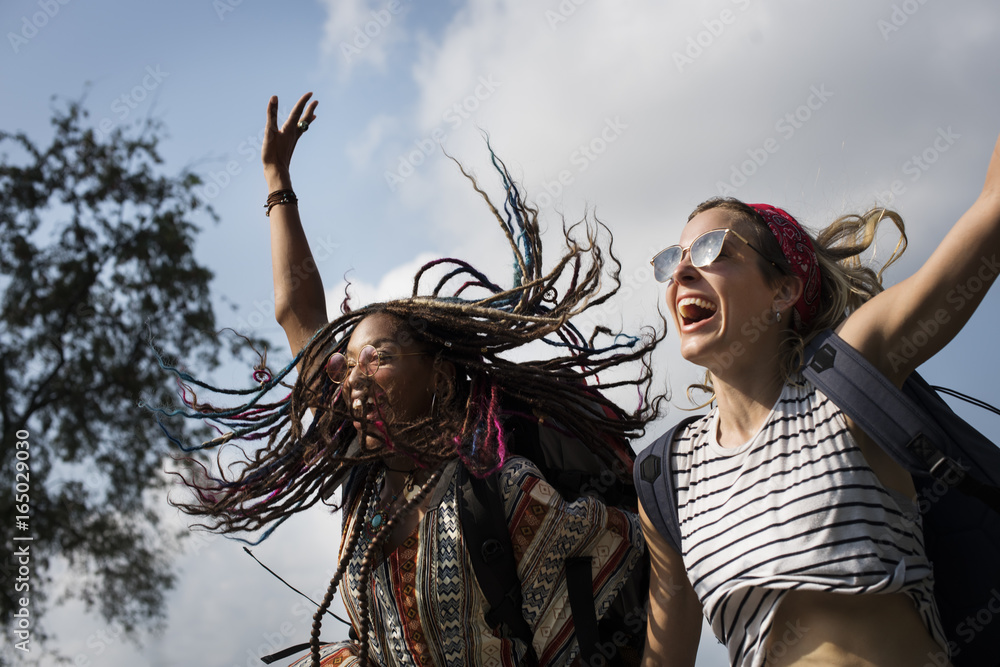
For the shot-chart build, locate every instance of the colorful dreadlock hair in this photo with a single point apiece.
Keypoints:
(302, 465)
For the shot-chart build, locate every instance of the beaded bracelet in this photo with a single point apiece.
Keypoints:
(279, 197)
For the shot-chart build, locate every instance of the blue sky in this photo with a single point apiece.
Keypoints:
(637, 109)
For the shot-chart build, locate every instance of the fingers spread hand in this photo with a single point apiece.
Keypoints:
(279, 144)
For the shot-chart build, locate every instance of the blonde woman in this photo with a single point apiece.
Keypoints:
(783, 502)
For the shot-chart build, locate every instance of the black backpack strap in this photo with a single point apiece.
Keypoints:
(284, 653)
(484, 528)
(580, 589)
(655, 486)
(892, 419)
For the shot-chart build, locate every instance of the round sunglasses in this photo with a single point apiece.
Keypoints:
(338, 367)
(704, 250)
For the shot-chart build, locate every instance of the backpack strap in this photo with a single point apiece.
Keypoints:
(889, 416)
(484, 528)
(655, 486)
(580, 590)
(284, 653)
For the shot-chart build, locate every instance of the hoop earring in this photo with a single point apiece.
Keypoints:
(433, 401)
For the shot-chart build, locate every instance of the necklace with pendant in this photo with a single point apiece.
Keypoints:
(380, 517)
(381, 514)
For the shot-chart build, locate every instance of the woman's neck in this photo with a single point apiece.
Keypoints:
(399, 470)
(745, 401)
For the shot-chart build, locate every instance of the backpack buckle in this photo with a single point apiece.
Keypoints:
(939, 466)
(649, 469)
(824, 358)
(490, 549)
(947, 470)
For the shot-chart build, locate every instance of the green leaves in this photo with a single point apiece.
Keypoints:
(97, 267)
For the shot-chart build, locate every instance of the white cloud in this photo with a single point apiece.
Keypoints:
(361, 150)
(394, 284)
(361, 31)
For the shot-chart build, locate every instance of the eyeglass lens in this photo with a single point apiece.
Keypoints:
(338, 366)
(704, 251)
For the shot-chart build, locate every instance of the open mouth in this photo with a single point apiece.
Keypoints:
(693, 309)
(365, 409)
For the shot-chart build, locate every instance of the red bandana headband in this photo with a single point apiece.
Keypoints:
(798, 249)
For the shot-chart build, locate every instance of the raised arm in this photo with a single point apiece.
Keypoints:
(674, 625)
(299, 299)
(911, 321)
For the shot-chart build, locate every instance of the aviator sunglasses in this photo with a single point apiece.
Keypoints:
(338, 367)
(704, 250)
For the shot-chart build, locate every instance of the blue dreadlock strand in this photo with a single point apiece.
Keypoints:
(249, 421)
(513, 206)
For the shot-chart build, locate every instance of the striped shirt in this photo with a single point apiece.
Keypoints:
(795, 507)
(427, 608)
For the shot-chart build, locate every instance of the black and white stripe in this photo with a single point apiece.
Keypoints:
(796, 507)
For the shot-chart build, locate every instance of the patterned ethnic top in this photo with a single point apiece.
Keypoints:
(795, 507)
(427, 608)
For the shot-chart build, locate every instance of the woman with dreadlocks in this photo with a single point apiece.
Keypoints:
(406, 394)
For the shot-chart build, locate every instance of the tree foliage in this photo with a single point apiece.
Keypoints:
(97, 269)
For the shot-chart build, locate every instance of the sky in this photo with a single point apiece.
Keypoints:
(631, 110)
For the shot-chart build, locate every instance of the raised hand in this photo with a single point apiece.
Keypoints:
(279, 144)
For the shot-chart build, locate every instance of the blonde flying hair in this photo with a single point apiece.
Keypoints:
(847, 279)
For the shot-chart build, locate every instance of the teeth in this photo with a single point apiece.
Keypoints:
(358, 404)
(694, 301)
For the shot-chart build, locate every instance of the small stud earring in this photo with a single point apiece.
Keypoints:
(777, 316)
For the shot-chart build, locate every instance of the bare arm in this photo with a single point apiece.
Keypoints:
(299, 299)
(674, 625)
(910, 322)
